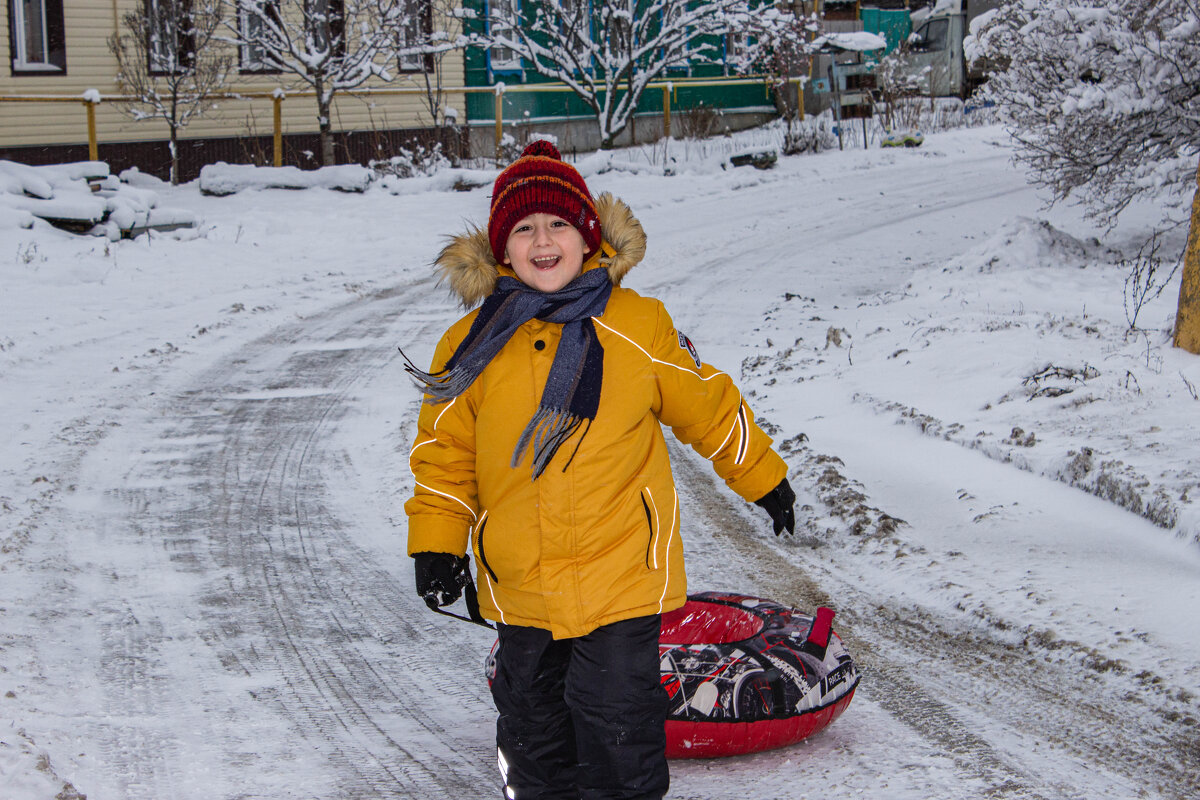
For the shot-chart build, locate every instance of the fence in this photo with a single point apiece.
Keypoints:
(277, 98)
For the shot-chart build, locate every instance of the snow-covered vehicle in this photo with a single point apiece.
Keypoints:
(934, 56)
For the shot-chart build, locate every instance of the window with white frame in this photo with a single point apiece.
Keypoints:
(169, 31)
(327, 25)
(37, 35)
(736, 44)
(502, 19)
(414, 33)
(255, 21)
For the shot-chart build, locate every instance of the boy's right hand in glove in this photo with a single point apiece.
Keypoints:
(779, 503)
(440, 577)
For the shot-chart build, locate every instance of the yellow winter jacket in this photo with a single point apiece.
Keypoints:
(599, 541)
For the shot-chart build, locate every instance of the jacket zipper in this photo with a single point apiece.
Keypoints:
(651, 545)
(479, 548)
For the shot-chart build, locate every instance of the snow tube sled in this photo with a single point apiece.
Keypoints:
(746, 674)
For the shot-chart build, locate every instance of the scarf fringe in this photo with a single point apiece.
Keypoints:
(441, 387)
(547, 430)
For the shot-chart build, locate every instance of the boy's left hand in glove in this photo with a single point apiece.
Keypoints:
(779, 503)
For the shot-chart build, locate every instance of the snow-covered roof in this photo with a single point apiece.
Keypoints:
(860, 41)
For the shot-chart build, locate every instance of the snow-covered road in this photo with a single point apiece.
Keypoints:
(204, 590)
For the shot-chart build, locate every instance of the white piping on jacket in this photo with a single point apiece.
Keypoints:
(724, 441)
(667, 557)
(652, 358)
(716, 374)
(743, 432)
(431, 439)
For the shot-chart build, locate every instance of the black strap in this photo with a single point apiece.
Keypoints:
(471, 597)
(773, 675)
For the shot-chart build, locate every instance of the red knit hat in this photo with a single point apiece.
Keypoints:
(541, 182)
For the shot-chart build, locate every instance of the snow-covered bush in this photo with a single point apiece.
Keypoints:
(419, 162)
(509, 150)
(1103, 96)
(811, 135)
(899, 93)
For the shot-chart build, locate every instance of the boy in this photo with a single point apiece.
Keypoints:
(540, 447)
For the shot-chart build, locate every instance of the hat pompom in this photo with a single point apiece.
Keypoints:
(541, 147)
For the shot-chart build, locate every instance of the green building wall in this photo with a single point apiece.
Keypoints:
(521, 107)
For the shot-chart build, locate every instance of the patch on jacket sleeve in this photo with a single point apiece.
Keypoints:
(686, 344)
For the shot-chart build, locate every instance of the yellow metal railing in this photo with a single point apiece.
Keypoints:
(669, 90)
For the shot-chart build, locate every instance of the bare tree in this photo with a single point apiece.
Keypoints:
(430, 32)
(330, 45)
(609, 51)
(169, 63)
(776, 42)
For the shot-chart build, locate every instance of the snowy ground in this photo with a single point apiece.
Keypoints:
(203, 592)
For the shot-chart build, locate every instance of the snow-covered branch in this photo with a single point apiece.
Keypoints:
(1102, 95)
(168, 60)
(335, 45)
(609, 51)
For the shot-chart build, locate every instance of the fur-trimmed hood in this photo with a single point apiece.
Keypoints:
(467, 263)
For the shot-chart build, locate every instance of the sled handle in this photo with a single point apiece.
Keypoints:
(818, 638)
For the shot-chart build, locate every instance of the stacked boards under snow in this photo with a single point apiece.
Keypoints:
(746, 674)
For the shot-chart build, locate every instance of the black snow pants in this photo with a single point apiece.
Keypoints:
(582, 718)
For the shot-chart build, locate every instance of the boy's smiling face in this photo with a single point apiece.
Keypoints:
(545, 251)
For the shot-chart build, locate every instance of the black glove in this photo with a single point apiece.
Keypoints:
(779, 503)
(440, 577)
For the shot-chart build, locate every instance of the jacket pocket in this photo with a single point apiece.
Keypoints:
(652, 524)
(480, 555)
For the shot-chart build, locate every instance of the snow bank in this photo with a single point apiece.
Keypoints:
(19, 179)
(447, 180)
(135, 177)
(1024, 243)
(225, 179)
(15, 218)
(83, 197)
(1023, 355)
(25, 771)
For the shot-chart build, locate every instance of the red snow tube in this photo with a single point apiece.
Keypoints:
(746, 674)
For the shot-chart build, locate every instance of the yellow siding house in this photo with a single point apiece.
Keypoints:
(57, 52)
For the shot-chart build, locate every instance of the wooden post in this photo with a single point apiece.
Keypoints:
(278, 129)
(800, 92)
(667, 111)
(1187, 318)
(499, 119)
(93, 150)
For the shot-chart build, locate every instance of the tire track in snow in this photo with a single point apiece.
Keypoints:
(290, 603)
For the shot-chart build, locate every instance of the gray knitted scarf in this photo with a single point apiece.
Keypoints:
(571, 396)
